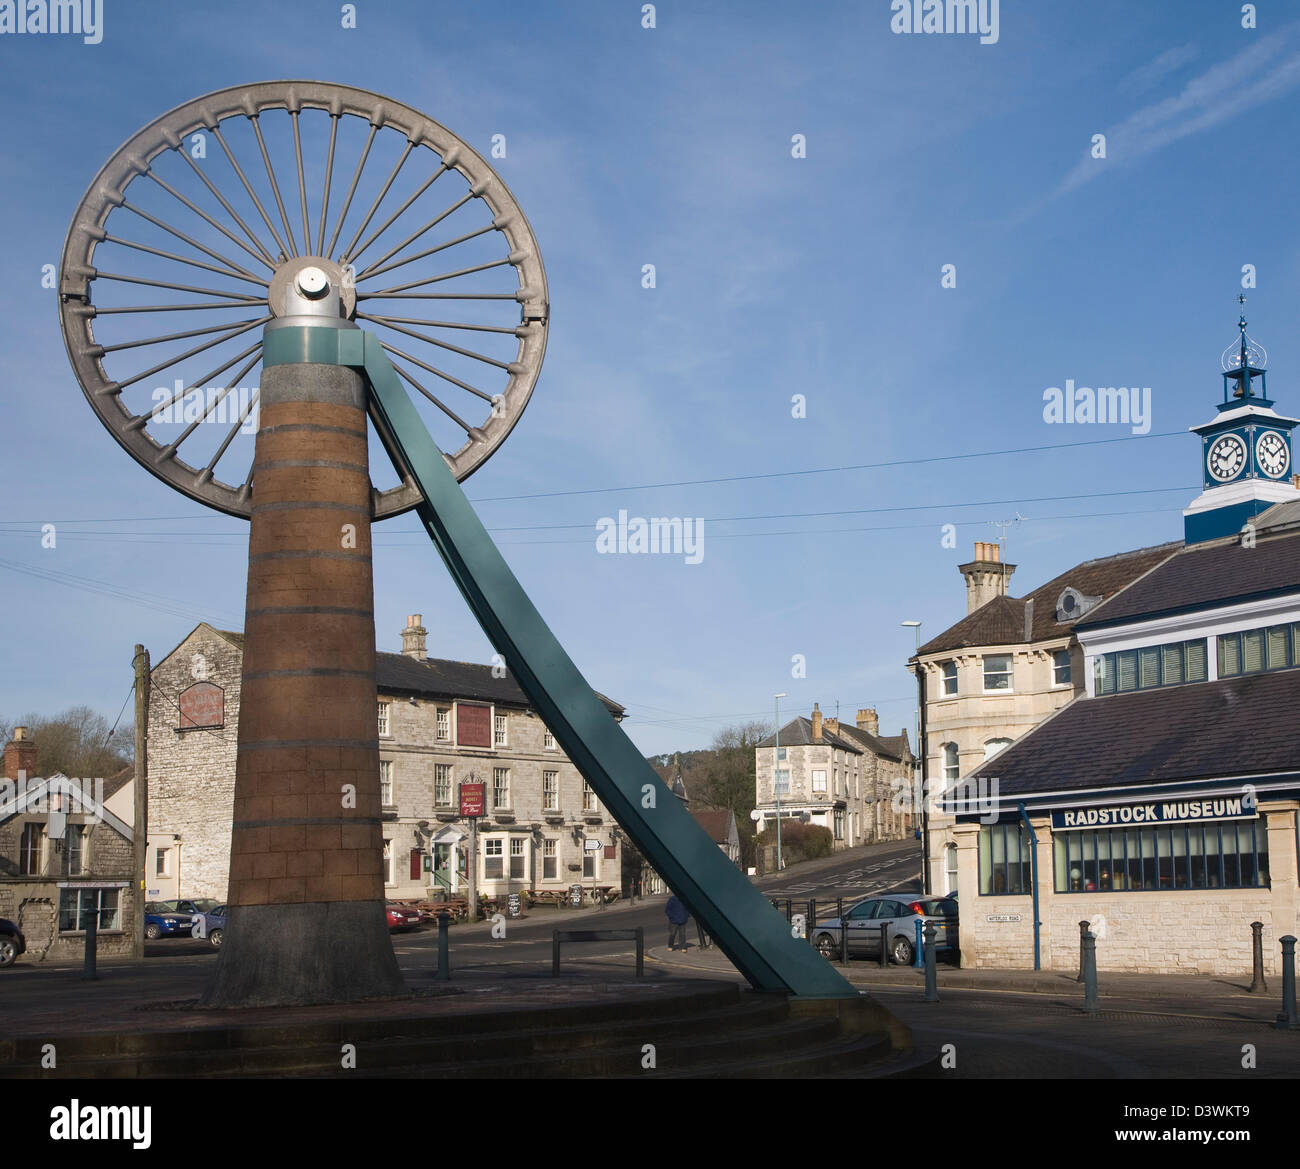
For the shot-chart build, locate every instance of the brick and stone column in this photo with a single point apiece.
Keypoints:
(306, 921)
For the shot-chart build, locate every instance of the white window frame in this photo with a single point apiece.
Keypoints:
(1009, 673)
(388, 863)
(955, 765)
(444, 724)
(819, 780)
(589, 801)
(519, 851)
(494, 849)
(385, 718)
(548, 740)
(550, 791)
(80, 833)
(386, 783)
(944, 692)
(497, 805)
(551, 853)
(1056, 668)
(442, 767)
(42, 844)
(500, 730)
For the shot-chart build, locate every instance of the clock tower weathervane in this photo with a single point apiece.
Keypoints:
(1245, 451)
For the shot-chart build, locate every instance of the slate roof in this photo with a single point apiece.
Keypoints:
(1203, 575)
(885, 746)
(437, 678)
(1002, 620)
(798, 733)
(1204, 730)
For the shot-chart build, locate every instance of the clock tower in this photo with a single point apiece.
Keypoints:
(1246, 463)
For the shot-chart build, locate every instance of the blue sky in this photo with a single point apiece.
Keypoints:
(775, 276)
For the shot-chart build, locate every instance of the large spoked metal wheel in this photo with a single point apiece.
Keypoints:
(186, 243)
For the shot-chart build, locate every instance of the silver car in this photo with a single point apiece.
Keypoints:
(899, 912)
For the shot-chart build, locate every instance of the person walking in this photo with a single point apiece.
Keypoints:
(678, 916)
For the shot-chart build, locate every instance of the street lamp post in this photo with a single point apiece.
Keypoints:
(776, 777)
(915, 626)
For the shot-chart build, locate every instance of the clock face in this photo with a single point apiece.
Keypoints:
(1227, 456)
(1272, 455)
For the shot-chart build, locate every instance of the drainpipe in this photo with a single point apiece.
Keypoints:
(1033, 880)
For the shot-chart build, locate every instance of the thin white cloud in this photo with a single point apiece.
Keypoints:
(1258, 74)
(1170, 61)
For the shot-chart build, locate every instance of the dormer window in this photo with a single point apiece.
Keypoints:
(1072, 604)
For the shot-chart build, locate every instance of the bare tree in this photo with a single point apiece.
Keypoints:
(76, 743)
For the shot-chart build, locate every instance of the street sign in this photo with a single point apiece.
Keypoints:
(472, 799)
(592, 846)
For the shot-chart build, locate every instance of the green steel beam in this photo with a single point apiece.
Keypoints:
(740, 919)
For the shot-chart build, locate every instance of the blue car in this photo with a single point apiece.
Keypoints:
(162, 922)
(213, 925)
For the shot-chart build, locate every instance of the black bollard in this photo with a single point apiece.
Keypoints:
(884, 945)
(92, 941)
(931, 975)
(1257, 957)
(789, 910)
(812, 922)
(444, 945)
(1090, 1006)
(844, 933)
(1083, 933)
(1287, 1019)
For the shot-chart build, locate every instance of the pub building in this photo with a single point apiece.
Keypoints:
(1162, 804)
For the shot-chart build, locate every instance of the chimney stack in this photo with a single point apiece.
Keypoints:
(986, 576)
(869, 721)
(20, 755)
(832, 725)
(817, 723)
(413, 639)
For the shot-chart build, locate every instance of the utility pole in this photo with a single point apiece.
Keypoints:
(140, 821)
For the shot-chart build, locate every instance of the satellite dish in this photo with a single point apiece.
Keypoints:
(756, 815)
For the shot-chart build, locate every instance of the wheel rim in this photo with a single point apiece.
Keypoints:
(152, 932)
(216, 938)
(8, 951)
(161, 214)
(825, 946)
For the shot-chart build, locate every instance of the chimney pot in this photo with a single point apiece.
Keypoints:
(414, 644)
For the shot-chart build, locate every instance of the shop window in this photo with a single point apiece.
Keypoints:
(78, 906)
(1227, 855)
(1004, 859)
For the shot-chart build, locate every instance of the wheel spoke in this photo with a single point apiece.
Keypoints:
(514, 330)
(207, 471)
(302, 183)
(180, 235)
(188, 354)
(444, 276)
(170, 449)
(126, 243)
(237, 296)
(352, 190)
(173, 308)
(275, 186)
(398, 213)
(329, 176)
(451, 348)
(243, 178)
(259, 256)
(348, 254)
(433, 369)
(437, 402)
(207, 182)
(375, 268)
(437, 296)
(182, 336)
(141, 420)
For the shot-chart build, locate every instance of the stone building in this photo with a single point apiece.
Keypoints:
(441, 724)
(1010, 663)
(1161, 803)
(64, 856)
(842, 777)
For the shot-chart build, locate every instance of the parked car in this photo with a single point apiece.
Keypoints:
(901, 912)
(12, 943)
(190, 905)
(214, 925)
(403, 917)
(163, 922)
